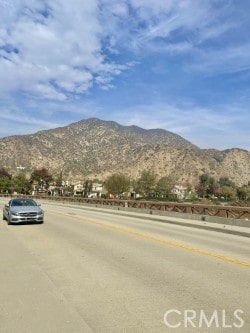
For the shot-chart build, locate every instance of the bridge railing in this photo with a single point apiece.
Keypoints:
(236, 212)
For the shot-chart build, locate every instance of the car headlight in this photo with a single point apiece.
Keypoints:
(14, 213)
(40, 213)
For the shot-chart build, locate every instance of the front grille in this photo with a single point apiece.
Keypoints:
(31, 214)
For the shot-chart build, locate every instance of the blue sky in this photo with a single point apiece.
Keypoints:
(180, 65)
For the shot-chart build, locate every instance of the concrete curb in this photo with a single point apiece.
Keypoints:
(218, 226)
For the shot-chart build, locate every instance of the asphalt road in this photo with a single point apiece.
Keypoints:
(89, 271)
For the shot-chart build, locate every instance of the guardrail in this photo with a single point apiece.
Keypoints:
(235, 212)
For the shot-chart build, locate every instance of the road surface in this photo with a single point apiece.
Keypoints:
(85, 270)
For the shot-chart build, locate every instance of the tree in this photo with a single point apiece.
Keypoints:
(4, 173)
(213, 187)
(42, 177)
(145, 185)
(57, 185)
(21, 184)
(59, 179)
(165, 186)
(227, 192)
(5, 185)
(68, 190)
(5, 181)
(87, 187)
(200, 190)
(204, 179)
(243, 192)
(225, 181)
(207, 186)
(117, 184)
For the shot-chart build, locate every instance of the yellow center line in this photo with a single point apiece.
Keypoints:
(159, 240)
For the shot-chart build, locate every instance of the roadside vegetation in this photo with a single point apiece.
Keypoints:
(147, 186)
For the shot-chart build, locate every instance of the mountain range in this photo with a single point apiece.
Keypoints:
(94, 148)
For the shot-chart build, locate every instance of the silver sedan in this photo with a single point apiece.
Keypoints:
(23, 210)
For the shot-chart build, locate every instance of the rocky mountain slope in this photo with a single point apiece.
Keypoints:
(94, 148)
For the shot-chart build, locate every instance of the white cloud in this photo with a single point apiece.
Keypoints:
(57, 47)
(53, 52)
(47, 91)
(52, 48)
(230, 59)
(14, 121)
(203, 126)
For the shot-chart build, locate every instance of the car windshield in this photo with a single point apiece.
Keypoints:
(23, 202)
